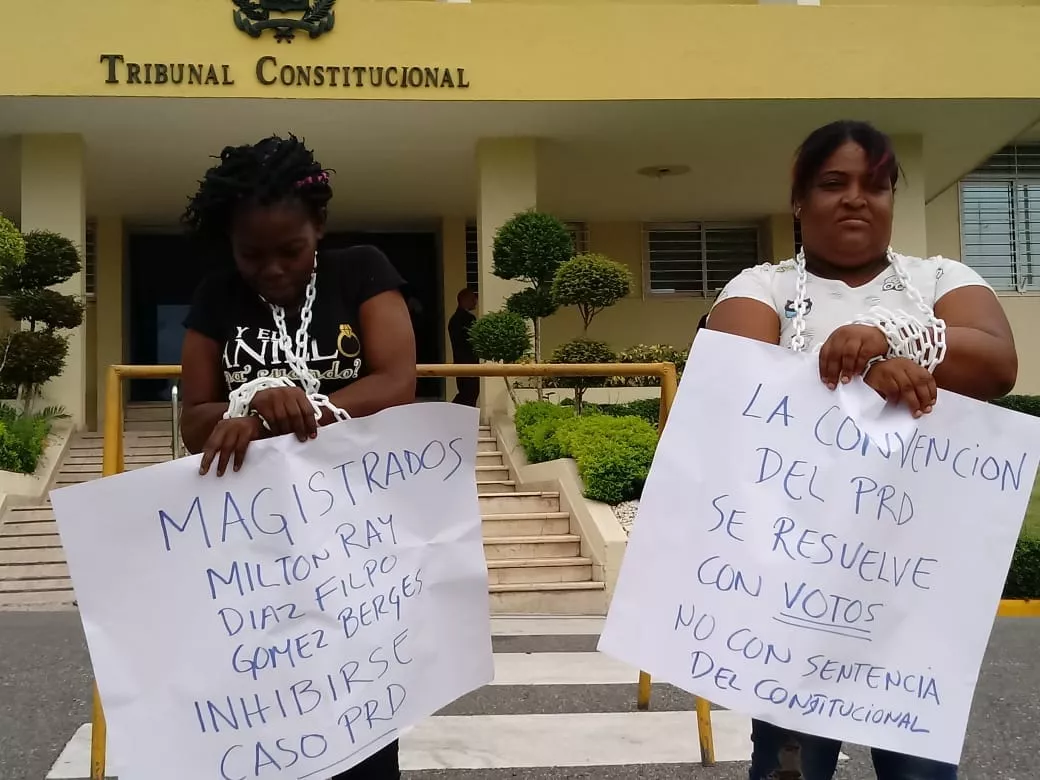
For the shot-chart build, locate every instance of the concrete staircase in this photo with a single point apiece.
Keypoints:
(533, 555)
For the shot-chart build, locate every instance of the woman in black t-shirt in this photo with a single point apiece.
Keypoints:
(289, 338)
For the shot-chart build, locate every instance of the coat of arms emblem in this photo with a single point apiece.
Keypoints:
(285, 17)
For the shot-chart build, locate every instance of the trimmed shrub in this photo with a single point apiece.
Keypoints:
(531, 303)
(648, 409)
(529, 248)
(12, 247)
(592, 283)
(649, 353)
(30, 358)
(581, 351)
(536, 425)
(500, 336)
(1023, 580)
(1026, 404)
(613, 454)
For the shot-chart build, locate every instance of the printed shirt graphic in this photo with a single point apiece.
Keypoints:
(226, 310)
(831, 303)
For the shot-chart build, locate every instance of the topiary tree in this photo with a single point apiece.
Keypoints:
(530, 248)
(592, 283)
(501, 337)
(35, 356)
(582, 351)
(12, 246)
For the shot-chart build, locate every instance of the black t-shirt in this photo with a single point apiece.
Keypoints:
(227, 310)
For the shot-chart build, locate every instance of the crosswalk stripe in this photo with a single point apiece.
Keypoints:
(561, 669)
(569, 740)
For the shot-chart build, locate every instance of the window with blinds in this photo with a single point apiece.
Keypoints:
(579, 236)
(472, 259)
(694, 258)
(579, 233)
(1000, 218)
(90, 258)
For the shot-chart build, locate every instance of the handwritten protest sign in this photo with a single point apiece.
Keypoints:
(820, 560)
(290, 620)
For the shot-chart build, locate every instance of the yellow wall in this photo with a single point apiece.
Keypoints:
(586, 51)
(91, 329)
(1023, 310)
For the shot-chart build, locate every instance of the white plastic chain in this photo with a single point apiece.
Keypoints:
(925, 344)
(240, 400)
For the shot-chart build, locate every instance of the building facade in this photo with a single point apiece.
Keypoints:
(661, 131)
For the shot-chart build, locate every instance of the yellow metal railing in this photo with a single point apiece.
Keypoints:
(113, 464)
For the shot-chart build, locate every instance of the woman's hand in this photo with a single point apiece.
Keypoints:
(230, 438)
(846, 353)
(286, 410)
(903, 380)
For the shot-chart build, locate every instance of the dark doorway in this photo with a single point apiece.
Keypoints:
(164, 270)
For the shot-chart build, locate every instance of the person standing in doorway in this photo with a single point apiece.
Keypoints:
(461, 350)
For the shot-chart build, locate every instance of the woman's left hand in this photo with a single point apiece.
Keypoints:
(903, 380)
(848, 350)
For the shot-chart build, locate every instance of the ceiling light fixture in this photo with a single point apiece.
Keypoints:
(660, 171)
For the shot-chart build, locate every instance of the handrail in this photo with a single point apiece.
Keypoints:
(112, 463)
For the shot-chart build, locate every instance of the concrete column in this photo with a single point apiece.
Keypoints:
(507, 183)
(109, 297)
(453, 279)
(910, 224)
(53, 196)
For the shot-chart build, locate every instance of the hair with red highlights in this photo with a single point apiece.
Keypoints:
(824, 141)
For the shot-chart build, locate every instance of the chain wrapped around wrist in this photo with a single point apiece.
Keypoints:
(907, 337)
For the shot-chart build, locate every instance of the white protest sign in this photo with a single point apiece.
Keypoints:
(290, 620)
(820, 560)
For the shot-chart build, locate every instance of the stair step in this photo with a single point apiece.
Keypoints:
(39, 530)
(23, 557)
(22, 515)
(163, 411)
(556, 598)
(25, 586)
(27, 542)
(38, 599)
(529, 571)
(526, 524)
(512, 548)
(496, 486)
(41, 571)
(500, 503)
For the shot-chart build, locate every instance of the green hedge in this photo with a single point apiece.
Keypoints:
(1023, 581)
(613, 453)
(647, 408)
(22, 439)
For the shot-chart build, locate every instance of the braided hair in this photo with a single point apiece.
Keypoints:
(270, 171)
